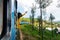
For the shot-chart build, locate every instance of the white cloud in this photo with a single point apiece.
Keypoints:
(26, 4)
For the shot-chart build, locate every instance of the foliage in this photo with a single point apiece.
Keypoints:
(51, 17)
(44, 3)
(27, 31)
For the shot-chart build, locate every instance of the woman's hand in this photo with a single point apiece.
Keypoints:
(26, 12)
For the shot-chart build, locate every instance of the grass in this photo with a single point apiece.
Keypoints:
(34, 34)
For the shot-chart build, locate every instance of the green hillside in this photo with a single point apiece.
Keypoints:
(29, 34)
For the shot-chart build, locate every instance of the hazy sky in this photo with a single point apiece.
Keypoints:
(24, 5)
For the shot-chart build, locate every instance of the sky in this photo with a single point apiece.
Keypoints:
(26, 5)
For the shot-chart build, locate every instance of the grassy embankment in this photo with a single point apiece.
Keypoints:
(29, 34)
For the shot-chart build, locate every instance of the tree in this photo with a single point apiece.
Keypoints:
(42, 4)
(32, 12)
(51, 19)
(58, 4)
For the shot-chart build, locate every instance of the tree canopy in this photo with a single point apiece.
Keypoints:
(44, 3)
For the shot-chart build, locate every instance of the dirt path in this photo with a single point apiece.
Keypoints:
(21, 35)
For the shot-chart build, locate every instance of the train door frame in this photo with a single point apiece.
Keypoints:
(4, 29)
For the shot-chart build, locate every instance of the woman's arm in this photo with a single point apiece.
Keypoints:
(24, 13)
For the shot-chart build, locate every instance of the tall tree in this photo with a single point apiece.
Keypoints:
(42, 4)
(51, 19)
(32, 12)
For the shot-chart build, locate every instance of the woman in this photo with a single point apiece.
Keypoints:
(19, 33)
